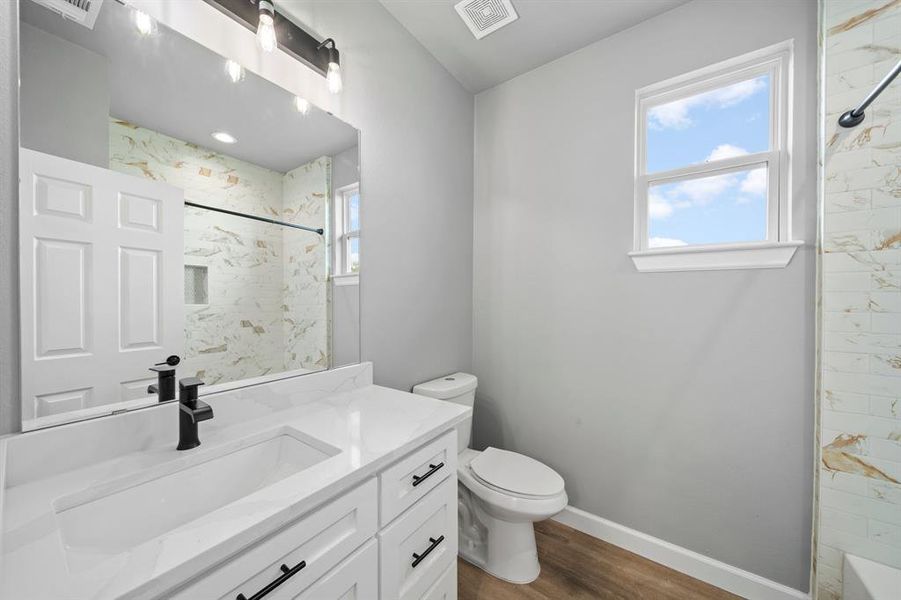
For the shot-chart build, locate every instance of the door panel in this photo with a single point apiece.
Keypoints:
(62, 288)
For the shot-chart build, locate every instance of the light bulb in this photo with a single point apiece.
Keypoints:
(333, 77)
(234, 70)
(266, 28)
(301, 105)
(144, 22)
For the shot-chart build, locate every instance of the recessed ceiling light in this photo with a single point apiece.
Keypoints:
(225, 138)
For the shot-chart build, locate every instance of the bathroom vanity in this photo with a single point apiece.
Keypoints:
(321, 486)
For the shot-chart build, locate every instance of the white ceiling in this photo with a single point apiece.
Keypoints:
(545, 31)
(171, 84)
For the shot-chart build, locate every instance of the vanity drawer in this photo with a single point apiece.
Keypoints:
(357, 578)
(419, 546)
(411, 478)
(319, 540)
(446, 586)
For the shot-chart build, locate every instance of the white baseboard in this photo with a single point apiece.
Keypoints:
(732, 579)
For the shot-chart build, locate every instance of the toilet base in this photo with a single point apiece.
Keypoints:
(504, 549)
(512, 563)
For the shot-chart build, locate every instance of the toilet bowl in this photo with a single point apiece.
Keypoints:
(500, 495)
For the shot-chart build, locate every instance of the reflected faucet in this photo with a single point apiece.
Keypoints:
(191, 411)
(165, 382)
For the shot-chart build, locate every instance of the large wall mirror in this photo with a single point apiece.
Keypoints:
(173, 203)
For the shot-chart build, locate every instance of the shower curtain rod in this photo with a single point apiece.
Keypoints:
(853, 117)
(320, 231)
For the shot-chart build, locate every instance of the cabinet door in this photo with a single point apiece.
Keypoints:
(419, 545)
(357, 578)
(446, 586)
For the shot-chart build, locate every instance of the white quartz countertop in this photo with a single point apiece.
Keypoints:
(372, 426)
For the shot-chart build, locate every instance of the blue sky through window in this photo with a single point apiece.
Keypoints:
(722, 123)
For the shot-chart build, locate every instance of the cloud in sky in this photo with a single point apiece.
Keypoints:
(703, 191)
(658, 207)
(724, 151)
(664, 242)
(677, 114)
(755, 182)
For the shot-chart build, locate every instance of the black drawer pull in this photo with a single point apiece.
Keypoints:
(417, 479)
(418, 558)
(285, 576)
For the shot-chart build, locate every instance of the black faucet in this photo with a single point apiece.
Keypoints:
(165, 379)
(191, 411)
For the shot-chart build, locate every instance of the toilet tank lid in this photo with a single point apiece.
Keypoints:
(448, 386)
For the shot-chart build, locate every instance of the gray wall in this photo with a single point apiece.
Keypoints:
(65, 98)
(678, 404)
(416, 125)
(10, 409)
(346, 167)
(345, 298)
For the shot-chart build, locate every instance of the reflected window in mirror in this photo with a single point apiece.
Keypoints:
(347, 230)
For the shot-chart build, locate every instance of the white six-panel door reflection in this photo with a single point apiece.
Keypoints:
(102, 289)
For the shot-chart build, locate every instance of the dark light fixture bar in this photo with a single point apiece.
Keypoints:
(853, 117)
(320, 231)
(291, 38)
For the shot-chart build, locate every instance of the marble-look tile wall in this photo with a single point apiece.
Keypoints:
(859, 479)
(252, 308)
(306, 319)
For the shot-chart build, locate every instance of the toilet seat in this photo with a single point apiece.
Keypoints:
(513, 473)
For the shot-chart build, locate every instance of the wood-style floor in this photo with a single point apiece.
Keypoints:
(576, 565)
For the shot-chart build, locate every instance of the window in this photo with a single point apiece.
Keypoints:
(712, 167)
(347, 230)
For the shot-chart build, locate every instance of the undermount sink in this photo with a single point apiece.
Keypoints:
(116, 516)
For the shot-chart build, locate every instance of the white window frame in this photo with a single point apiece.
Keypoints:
(778, 248)
(344, 235)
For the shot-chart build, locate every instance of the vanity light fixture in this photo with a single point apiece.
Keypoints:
(144, 22)
(266, 26)
(224, 137)
(274, 30)
(301, 105)
(234, 70)
(333, 74)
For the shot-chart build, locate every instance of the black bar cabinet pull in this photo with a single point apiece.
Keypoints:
(417, 479)
(285, 576)
(433, 543)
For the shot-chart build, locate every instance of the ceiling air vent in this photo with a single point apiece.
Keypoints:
(485, 16)
(83, 12)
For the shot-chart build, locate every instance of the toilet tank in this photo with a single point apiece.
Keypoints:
(459, 388)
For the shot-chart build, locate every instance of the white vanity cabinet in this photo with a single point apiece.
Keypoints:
(393, 537)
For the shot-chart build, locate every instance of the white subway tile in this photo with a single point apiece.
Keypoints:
(886, 533)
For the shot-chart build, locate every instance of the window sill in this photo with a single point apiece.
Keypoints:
(754, 255)
(346, 279)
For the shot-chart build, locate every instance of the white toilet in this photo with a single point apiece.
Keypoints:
(500, 494)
